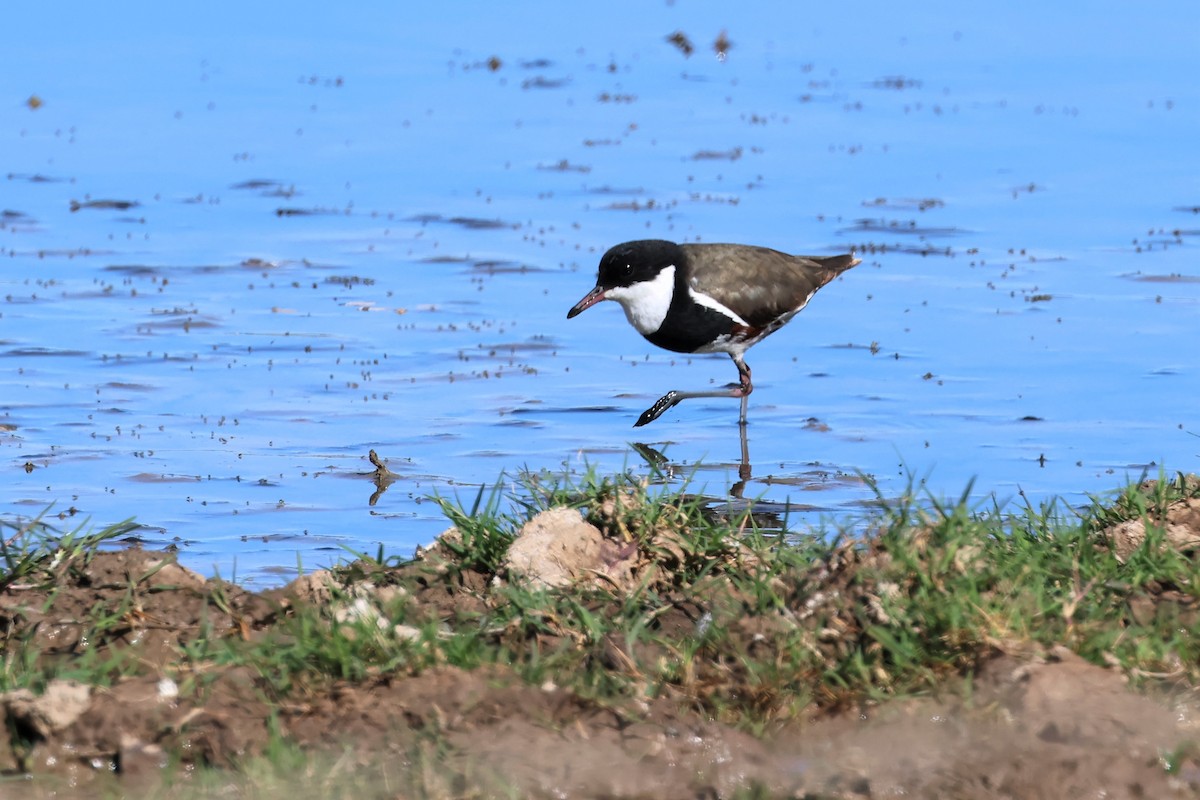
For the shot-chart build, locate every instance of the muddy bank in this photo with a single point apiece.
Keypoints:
(617, 653)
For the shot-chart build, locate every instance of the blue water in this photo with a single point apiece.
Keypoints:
(362, 229)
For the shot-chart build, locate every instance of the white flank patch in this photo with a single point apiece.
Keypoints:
(646, 303)
(709, 302)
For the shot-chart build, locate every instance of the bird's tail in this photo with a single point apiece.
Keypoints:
(835, 265)
(838, 264)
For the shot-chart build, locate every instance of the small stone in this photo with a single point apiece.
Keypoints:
(61, 704)
(555, 548)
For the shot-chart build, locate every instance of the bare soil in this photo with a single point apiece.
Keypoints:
(1030, 724)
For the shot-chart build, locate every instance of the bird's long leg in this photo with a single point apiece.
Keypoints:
(741, 389)
(746, 386)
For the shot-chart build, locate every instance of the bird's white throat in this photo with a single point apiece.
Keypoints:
(646, 302)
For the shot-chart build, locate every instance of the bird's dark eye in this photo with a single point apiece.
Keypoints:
(627, 270)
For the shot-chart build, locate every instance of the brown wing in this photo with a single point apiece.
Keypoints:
(757, 283)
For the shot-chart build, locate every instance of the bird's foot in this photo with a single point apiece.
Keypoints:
(658, 409)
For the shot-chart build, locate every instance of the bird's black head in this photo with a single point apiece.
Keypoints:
(628, 264)
(634, 262)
